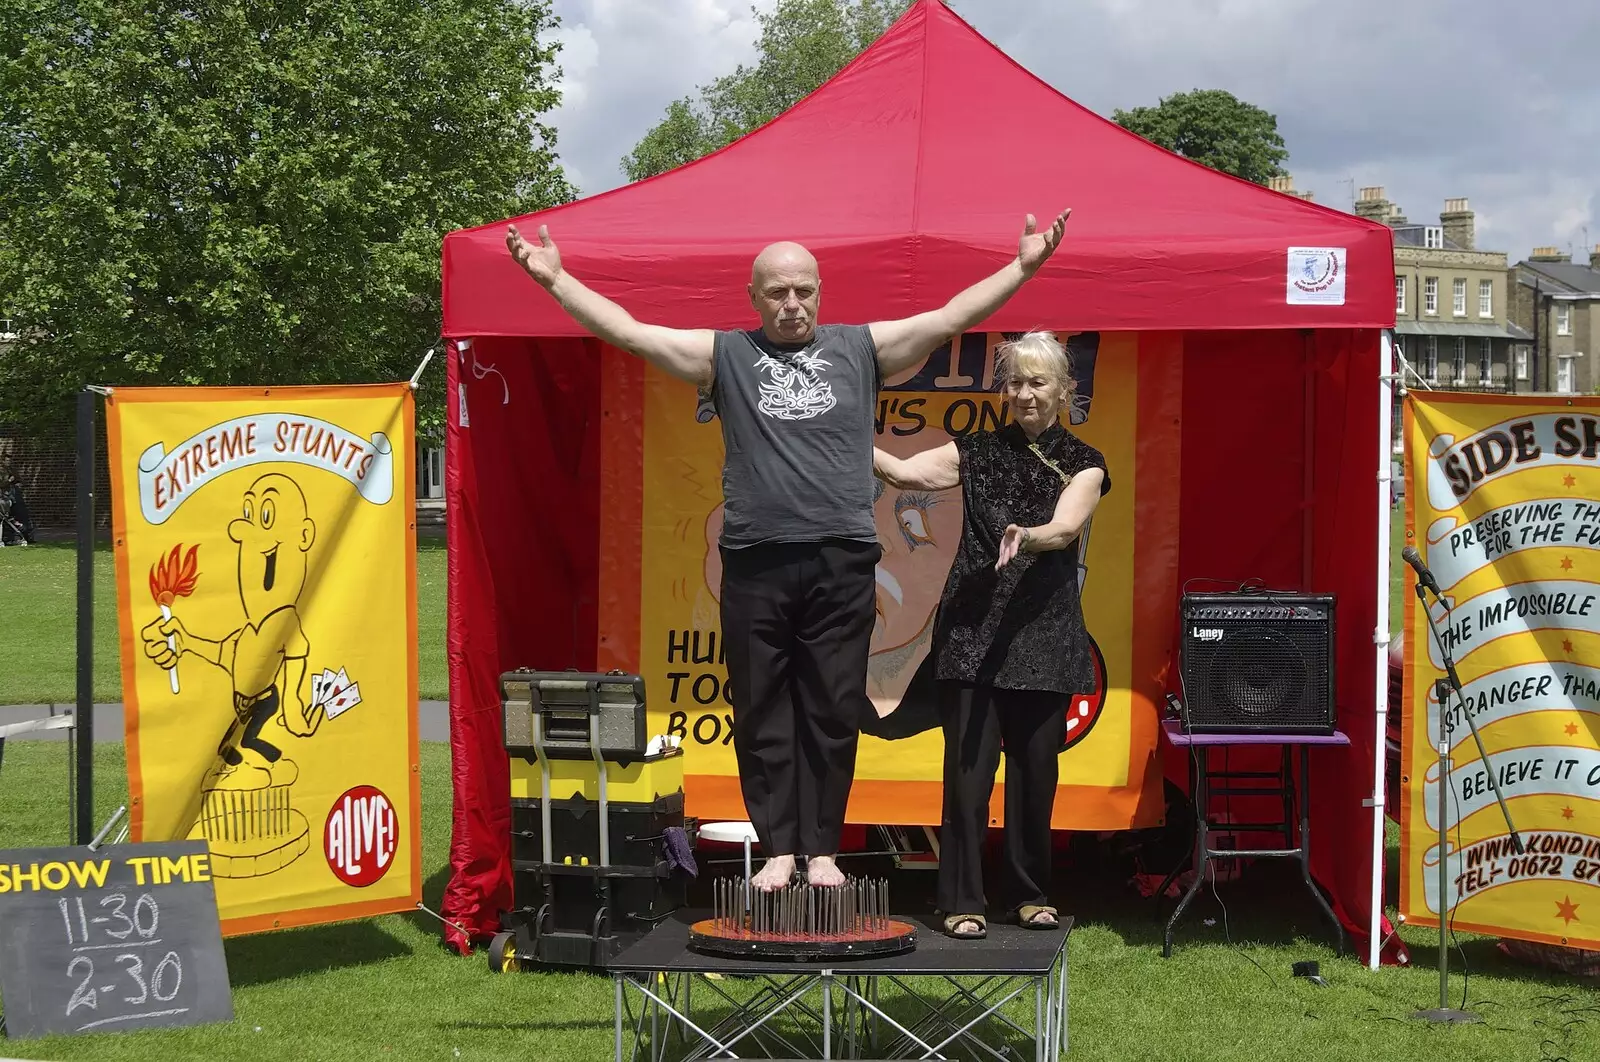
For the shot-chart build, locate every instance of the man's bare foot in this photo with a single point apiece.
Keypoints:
(823, 872)
(775, 875)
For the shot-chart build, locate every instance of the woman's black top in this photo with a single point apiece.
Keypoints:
(1020, 628)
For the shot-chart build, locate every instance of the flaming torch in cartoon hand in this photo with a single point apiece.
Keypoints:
(171, 579)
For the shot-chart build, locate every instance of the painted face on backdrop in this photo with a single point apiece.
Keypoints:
(274, 532)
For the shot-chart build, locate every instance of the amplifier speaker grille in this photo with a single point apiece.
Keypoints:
(1258, 663)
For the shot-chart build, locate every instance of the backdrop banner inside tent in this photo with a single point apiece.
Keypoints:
(670, 556)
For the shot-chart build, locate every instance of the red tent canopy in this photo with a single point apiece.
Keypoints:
(908, 175)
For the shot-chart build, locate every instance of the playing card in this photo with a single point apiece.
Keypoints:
(343, 700)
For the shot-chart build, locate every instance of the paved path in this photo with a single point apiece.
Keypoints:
(433, 722)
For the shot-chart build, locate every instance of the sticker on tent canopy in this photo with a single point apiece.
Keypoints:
(1316, 276)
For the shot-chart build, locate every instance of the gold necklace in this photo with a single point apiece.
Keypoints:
(1052, 465)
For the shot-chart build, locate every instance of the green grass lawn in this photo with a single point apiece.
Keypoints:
(38, 627)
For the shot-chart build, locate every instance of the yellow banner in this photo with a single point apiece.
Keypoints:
(951, 394)
(265, 546)
(1503, 502)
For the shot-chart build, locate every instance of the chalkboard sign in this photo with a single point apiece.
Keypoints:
(123, 937)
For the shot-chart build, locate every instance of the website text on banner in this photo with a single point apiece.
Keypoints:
(1106, 763)
(1505, 508)
(266, 595)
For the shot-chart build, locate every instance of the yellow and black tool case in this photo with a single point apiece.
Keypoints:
(570, 714)
(644, 800)
(599, 841)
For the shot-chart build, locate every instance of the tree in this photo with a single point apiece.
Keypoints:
(1214, 128)
(250, 192)
(803, 43)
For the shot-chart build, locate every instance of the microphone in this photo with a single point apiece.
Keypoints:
(1424, 576)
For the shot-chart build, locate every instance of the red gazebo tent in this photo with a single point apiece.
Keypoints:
(908, 174)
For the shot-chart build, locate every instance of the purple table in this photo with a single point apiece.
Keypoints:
(1289, 789)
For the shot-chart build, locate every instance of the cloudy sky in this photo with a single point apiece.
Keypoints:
(1428, 98)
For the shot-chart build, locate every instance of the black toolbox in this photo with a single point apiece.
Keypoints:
(590, 874)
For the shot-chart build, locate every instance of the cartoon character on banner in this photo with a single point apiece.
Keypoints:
(247, 808)
(918, 531)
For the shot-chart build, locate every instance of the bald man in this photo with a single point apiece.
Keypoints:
(799, 545)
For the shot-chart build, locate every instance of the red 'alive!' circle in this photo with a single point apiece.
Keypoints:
(360, 836)
(1084, 710)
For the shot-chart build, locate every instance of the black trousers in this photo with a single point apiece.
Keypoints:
(261, 712)
(797, 627)
(978, 722)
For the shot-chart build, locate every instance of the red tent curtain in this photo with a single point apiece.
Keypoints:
(521, 485)
(1279, 485)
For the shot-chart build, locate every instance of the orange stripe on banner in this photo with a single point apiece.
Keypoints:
(918, 803)
(119, 553)
(622, 509)
(310, 916)
(1157, 470)
(413, 680)
(1462, 925)
(225, 394)
(1408, 664)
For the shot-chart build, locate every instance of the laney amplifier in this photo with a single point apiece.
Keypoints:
(1258, 663)
(574, 715)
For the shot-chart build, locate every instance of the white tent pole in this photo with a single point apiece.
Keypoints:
(1380, 638)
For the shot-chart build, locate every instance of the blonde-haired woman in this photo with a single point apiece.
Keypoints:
(1009, 642)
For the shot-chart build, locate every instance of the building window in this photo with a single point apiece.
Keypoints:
(1564, 375)
(1430, 295)
(1522, 363)
(1458, 297)
(1433, 236)
(1485, 361)
(1563, 319)
(1430, 361)
(1461, 360)
(1399, 294)
(1485, 298)
(430, 473)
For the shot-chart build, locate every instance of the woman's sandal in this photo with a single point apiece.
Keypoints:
(1028, 917)
(953, 924)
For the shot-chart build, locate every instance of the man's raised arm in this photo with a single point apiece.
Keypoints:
(685, 353)
(901, 344)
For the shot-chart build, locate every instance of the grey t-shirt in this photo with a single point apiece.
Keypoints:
(797, 425)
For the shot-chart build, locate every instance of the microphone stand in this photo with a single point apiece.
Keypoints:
(1444, 687)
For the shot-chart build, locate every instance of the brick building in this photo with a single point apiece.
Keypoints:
(1557, 300)
(1450, 300)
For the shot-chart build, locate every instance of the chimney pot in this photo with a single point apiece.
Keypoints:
(1371, 204)
(1459, 224)
(1547, 254)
